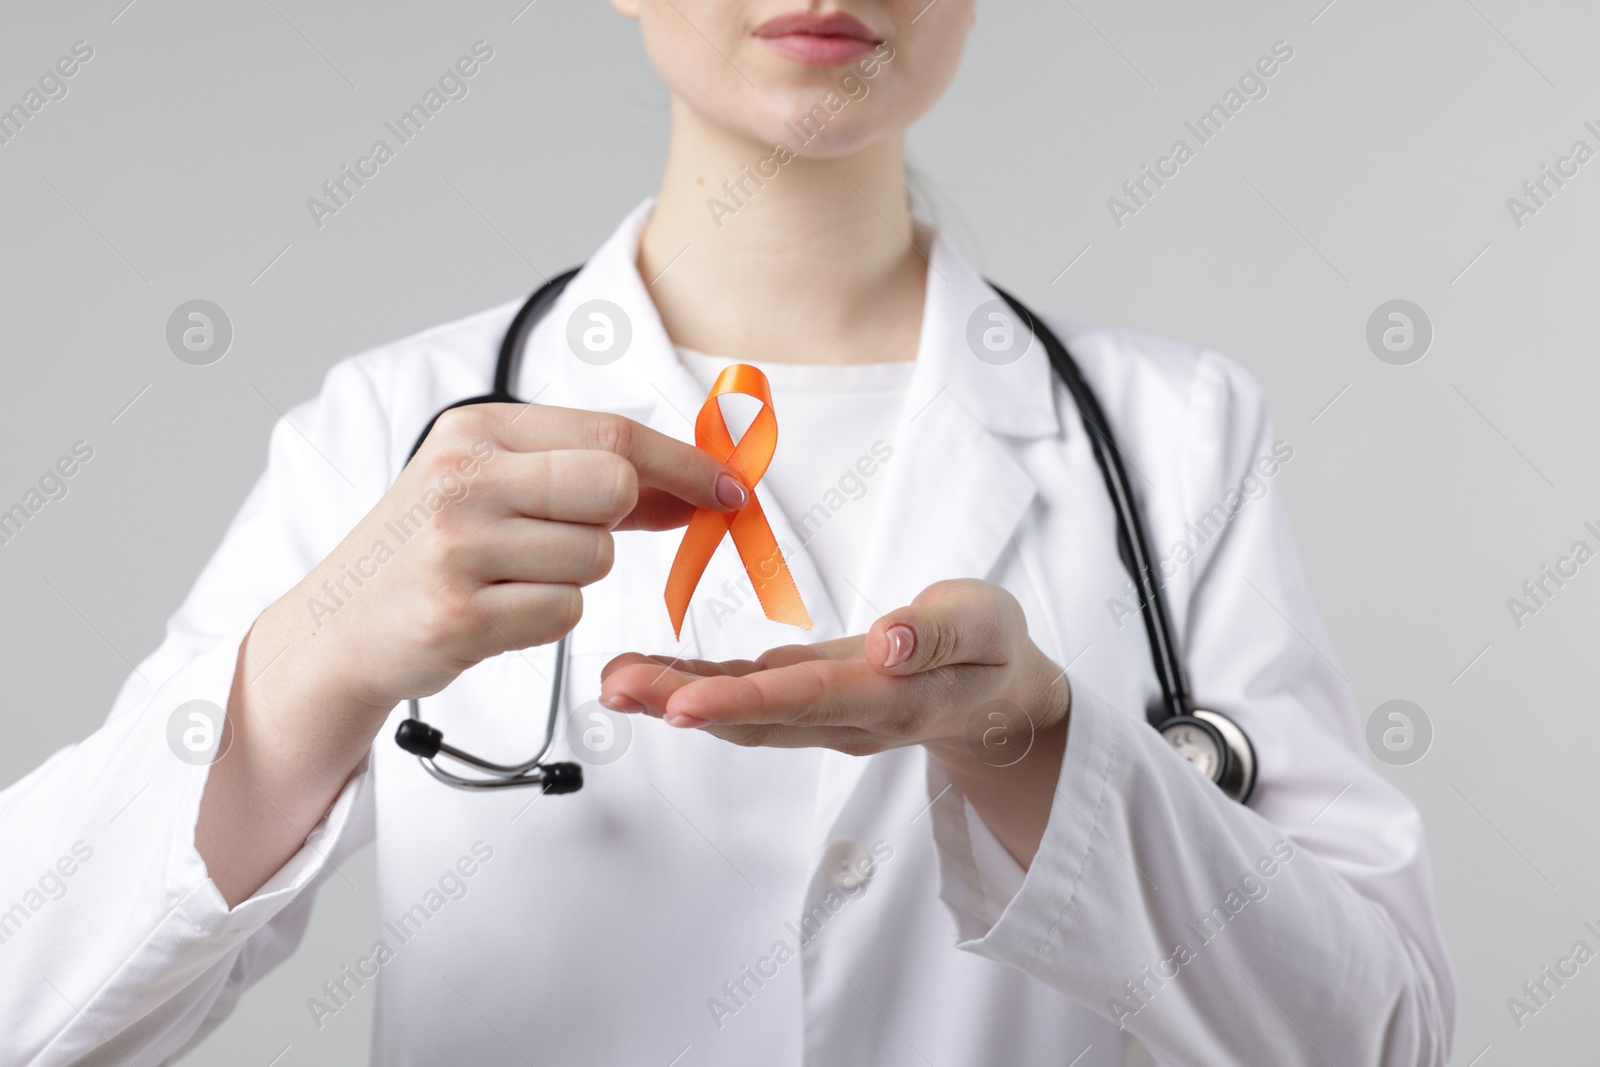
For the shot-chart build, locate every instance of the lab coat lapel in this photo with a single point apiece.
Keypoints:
(635, 376)
(954, 490)
(953, 498)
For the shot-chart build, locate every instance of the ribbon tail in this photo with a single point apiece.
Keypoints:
(769, 573)
(700, 540)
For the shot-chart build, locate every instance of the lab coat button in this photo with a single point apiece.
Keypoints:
(846, 865)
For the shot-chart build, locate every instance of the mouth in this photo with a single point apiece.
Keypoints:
(818, 40)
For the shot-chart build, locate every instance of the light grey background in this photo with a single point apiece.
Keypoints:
(1378, 167)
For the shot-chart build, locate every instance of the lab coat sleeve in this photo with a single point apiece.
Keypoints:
(115, 945)
(1296, 930)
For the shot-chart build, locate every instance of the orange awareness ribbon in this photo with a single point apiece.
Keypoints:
(752, 536)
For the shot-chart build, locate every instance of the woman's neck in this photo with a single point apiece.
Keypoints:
(755, 257)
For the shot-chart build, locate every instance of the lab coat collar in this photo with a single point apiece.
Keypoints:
(1014, 400)
(1010, 400)
(647, 375)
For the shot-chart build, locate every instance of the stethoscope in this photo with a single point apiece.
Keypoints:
(1210, 741)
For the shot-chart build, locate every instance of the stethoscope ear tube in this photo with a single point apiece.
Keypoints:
(1131, 542)
(1234, 771)
(427, 742)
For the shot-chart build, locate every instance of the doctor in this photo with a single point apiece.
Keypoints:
(783, 854)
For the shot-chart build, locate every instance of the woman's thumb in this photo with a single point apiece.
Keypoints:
(951, 622)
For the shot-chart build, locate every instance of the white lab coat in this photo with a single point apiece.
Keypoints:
(606, 927)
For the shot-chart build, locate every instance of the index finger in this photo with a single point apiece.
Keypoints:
(688, 473)
(817, 692)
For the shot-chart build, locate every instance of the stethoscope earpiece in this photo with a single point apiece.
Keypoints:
(418, 738)
(427, 744)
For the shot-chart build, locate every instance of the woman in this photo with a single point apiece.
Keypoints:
(799, 856)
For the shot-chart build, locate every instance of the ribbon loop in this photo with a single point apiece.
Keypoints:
(752, 534)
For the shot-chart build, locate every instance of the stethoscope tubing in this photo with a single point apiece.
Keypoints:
(1131, 542)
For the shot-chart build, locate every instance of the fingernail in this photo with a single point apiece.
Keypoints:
(621, 703)
(902, 639)
(686, 722)
(731, 493)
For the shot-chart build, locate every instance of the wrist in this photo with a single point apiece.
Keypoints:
(278, 774)
(297, 678)
(1017, 734)
(1013, 787)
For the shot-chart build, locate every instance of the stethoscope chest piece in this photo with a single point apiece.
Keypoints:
(1215, 746)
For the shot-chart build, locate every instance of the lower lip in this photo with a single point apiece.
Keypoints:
(819, 51)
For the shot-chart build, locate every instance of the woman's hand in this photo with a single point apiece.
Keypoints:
(483, 543)
(955, 672)
(481, 546)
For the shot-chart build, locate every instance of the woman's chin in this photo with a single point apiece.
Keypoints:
(808, 132)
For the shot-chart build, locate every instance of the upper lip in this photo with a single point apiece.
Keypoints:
(838, 24)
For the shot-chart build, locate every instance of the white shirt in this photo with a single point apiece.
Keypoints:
(836, 430)
(604, 927)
